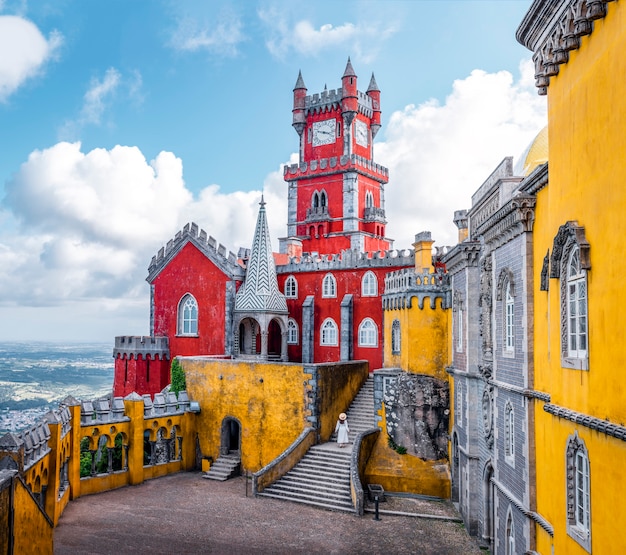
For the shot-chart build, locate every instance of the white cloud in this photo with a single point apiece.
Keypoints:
(303, 38)
(99, 97)
(220, 35)
(87, 224)
(439, 154)
(23, 52)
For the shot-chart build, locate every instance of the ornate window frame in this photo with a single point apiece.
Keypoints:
(329, 287)
(292, 332)
(187, 316)
(570, 242)
(578, 475)
(509, 433)
(396, 337)
(369, 284)
(368, 333)
(291, 288)
(329, 333)
(510, 533)
(458, 315)
(506, 295)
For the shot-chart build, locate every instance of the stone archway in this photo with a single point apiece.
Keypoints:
(489, 505)
(230, 436)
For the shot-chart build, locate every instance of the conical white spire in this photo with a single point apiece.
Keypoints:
(259, 292)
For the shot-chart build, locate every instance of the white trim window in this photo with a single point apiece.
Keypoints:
(329, 286)
(292, 332)
(510, 535)
(578, 492)
(368, 333)
(328, 333)
(509, 432)
(291, 288)
(369, 285)
(396, 337)
(576, 307)
(509, 319)
(188, 315)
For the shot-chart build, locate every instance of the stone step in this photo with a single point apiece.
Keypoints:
(345, 507)
(326, 496)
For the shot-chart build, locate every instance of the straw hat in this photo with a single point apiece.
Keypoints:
(342, 416)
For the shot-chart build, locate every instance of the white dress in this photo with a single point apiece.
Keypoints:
(342, 431)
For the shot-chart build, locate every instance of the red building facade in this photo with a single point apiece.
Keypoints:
(331, 266)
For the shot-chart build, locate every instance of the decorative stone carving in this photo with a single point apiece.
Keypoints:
(487, 406)
(485, 304)
(569, 231)
(417, 412)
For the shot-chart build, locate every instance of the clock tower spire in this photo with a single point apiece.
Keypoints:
(336, 191)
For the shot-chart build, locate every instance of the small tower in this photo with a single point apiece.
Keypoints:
(260, 315)
(336, 196)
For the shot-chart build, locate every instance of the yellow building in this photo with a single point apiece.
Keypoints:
(413, 386)
(579, 320)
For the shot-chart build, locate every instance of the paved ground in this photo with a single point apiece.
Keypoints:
(183, 513)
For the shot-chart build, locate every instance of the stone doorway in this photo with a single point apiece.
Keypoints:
(230, 437)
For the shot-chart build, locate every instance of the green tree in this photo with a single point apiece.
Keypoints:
(177, 377)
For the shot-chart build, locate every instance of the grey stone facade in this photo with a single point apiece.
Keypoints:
(492, 280)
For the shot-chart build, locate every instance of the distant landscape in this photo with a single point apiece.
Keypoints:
(36, 376)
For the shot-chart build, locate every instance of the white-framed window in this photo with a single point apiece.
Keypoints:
(578, 492)
(188, 315)
(368, 333)
(328, 333)
(292, 332)
(510, 534)
(291, 288)
(576, 306)
(396, 337)
(509, 318)
(509, 432)
(329, 286)
(369, 285)
(369, 200)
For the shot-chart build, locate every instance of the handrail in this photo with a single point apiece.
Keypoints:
(361, 451)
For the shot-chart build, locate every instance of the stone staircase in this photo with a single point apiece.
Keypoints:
(322, 477)
(225, 467)
(361, 412)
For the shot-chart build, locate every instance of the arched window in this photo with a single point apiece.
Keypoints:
(576, 306)
(323, 199)
(510, 535)
(368, 333)
(369, 285)
(292, 332)
(316, 200)
(395, 337)
(329, 286)
(578, 492)
(188, 316)
(369, 199)
(329, 334)
(509, 319)
(291, 288)
(509, 432)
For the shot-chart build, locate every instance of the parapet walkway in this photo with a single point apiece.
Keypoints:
(184, 514)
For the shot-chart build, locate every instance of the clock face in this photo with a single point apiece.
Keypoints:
(360, 132)
(324, 132)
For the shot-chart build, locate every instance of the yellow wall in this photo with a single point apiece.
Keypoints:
(587, 172)
(267, 399)
(32, 530)
(424, 344)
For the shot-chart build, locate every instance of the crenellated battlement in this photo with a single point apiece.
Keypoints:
(401, 286)
(218, 253)
(157, 347)
(331, 165)
(329, 100)
(348, 260)
(33, 442)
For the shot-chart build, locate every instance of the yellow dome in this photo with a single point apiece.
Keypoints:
(536, 153)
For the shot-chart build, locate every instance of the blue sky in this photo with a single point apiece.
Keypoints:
(122, 121)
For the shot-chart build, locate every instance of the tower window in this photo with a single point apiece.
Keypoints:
(292, 332)
(369, 285)
(291, 288)
(395, 337)
(329, 332)
(188, 316)
(329, 286)
(368, 333)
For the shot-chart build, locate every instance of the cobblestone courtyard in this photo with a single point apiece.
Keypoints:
(183, 513)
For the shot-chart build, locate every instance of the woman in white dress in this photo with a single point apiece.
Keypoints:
(342, 429)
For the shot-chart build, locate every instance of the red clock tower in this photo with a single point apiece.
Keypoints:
(336, 192)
